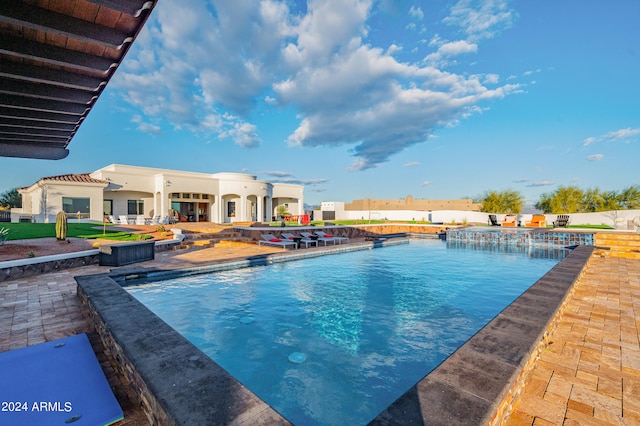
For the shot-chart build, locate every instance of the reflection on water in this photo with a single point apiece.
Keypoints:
(370, 324)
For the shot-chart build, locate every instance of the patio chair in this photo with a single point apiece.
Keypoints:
(493, 220)
(271, 240)
(537, 221)
(140, 220)
(113, 219)
(510, 220)
(562, 221)
(303, 240)
(322, 234)
(123, 219)
(316, 237)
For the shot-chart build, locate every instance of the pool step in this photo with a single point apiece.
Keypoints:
(194, 240)
(620, 244)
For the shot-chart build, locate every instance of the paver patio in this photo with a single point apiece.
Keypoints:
(589, 374)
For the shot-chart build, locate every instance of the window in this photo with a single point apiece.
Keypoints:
(174, 195)
(231, 209)
(186, 196)
(75, 205)
(205, 196)
(107, 207)
(195, 196)
(135, 207)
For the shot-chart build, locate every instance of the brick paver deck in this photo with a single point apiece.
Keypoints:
(590, 374)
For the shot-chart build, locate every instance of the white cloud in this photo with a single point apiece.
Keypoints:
(595, 157)
(426, 183)
(205, 67)
(481, 19)
(541, 183)
(149, 128)
(623, 135)
(411, 164)
(277, 173)
(416, 13)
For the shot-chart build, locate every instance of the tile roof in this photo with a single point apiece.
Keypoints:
(74, 177)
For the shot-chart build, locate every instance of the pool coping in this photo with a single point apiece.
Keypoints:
(178, 384)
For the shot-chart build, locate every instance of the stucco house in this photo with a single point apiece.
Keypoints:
(142, 191)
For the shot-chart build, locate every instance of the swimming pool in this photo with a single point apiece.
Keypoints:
(370, 323)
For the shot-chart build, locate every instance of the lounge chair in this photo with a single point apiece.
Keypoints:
(316, 237)
(123, 219)
(510, 220)
(113, 219)
(322, 234)
(271, 240)
(140, 220)
(304, 240)
(562, 221)
(155, 220)
(537, 221)
(493, 220)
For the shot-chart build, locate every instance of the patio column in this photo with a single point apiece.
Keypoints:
(259, 208)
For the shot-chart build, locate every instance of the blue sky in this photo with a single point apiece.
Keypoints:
(374, 99)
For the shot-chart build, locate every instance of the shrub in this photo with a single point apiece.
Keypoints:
(4, 235)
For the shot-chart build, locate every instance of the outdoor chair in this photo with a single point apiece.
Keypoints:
(322, 234)
(562, 221)
(271, 240)
(510, 220)
(537, 221)
(303, 240)
(493, 220)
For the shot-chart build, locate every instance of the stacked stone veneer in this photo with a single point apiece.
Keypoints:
(176, 382)
(513, 393)
(22, 268)
(16, 269)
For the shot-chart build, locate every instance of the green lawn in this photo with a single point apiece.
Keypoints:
(25, 231)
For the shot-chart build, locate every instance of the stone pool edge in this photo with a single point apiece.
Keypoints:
(477, 384)
(175, 381)
(178, 384)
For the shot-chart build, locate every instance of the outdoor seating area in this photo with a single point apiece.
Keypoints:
(300, 240)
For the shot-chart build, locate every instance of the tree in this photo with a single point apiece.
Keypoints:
(281, 211)
(629, 198)
(544, 203)
(10, 198)
(592, 201)
(508, 201)
(567, 199)
(491, 202)
(611, 201)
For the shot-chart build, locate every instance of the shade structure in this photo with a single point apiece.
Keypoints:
(56, 58)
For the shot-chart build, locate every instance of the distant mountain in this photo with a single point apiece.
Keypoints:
(530, 209)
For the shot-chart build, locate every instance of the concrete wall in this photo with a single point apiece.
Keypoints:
(619, 219)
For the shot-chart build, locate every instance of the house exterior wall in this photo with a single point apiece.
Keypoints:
(158, 188)
(43, 202)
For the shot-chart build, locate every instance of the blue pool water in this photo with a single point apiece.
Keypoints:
(336, 339)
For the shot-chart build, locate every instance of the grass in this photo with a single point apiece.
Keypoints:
(26, 231)
(602, 226)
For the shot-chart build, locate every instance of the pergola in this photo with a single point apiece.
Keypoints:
(56, 58)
